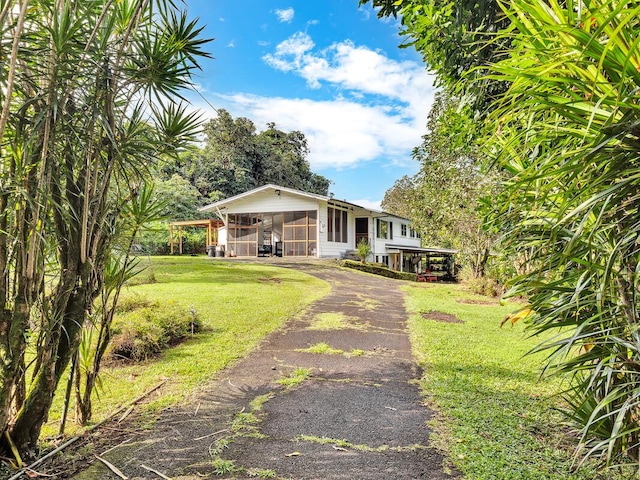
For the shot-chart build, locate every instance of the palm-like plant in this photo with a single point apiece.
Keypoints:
(88, 105)
(568, 132)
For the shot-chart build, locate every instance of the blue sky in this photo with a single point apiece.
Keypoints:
(327, 68)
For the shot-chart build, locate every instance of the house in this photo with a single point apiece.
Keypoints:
(274, 220)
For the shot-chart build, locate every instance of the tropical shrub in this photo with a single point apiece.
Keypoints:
(568, 134)
(364, 250)
(378, 269)
(90, 96)
(144, 328)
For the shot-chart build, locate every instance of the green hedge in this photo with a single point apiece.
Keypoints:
(378, 269)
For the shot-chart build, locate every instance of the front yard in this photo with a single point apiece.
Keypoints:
(238, 305)
(498, 419)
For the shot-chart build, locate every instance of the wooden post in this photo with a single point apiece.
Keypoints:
(171, 237)
(180, 238)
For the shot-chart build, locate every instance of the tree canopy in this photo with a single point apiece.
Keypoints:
(444, 199)
(236, 158)
(457, 39)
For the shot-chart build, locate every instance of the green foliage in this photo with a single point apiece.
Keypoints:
(90, 95)
(236, 159)
(236, 309)
(321, 348)
(400, 199)
(296, 377)
(180, 199)
(219, 446)
(377, 269)
(457, 40)
(483, 285)
(156, 240)
(223, 467)
(567, 133)
(497, 417)
(334, 321)
(261, 473)
(444, 199)
(148, 328)
(364, 249)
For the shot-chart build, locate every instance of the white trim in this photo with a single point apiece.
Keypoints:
(221, 203)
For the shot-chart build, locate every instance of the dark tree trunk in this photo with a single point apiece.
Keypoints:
(63, 341)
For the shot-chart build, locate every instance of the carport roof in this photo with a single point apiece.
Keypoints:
(438, 251)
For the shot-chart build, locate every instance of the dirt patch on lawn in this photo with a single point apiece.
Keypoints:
(440, 317)
(471, 301)
(272, 279)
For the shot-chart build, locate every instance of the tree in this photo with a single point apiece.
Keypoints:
(457, 39)
(444, 199)
(87, 92)
(567, 132)
(401, 198)
(179, 199)
(284, 163)
(235, 159)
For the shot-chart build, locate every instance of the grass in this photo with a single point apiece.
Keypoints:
(334, 321)
(261, 473)
(498, 420)
(321, 349)
(223, 467)
(296, 377)
(346, 444)
(237, 304)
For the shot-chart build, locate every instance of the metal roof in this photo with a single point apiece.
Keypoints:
(405, 248)
(222, 203)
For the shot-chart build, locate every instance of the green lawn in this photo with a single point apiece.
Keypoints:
(497, 418)
(238, 304)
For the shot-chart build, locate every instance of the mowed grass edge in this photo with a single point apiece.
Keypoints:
(238, 304)
(497, 419)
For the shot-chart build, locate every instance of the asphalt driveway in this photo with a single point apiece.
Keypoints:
(331, 396)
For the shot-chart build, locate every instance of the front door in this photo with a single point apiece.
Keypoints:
(362, 229)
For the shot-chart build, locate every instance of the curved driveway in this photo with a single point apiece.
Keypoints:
(357, 415)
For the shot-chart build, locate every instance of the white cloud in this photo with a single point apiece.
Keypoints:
(357, 69)
(386, 113)
(290, 54)
(340, 133)
(378, 108)
(231, 44)
(286, 15)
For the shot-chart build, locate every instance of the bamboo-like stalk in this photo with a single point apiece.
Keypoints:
(13, 59)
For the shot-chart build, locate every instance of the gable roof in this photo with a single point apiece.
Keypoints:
(249, 193)
(212, 207)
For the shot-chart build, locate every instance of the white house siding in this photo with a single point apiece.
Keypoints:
(380, 245)
(270, 202)
(329, 249)
(222, 236)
